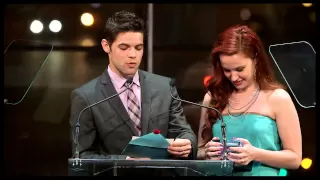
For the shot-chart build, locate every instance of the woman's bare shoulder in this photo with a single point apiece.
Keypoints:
(278, 95)
(207, 98)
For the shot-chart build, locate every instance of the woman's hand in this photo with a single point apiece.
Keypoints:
(213, 149)
(242, 155)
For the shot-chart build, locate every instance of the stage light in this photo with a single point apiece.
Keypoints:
(206, 79)
(87, 19)
(87, 42)
(312, 16)
(306, 163)
(245, 14)
(307, 4)
(283, 172)
(55, 26)
(96, 5)
(36, 26)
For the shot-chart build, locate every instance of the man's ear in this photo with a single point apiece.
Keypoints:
(105, 46)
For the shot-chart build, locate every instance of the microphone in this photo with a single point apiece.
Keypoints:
(128, 83)
(223, 125)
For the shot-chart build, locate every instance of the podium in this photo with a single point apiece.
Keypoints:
(117, 167)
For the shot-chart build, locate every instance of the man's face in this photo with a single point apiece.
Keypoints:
(126, 53)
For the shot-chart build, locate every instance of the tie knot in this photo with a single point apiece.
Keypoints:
(128, 85)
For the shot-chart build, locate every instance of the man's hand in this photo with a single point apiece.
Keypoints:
(130, 158)
(180, 148)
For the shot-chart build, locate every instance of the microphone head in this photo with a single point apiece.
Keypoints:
(129, 80)
(172, 82)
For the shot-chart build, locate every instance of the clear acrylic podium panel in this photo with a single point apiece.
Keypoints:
(105, 167)
(296, 62)
(21, 66)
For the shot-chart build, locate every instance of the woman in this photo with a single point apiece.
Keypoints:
(256, 109)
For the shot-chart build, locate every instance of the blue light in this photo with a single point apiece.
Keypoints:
(283, 172)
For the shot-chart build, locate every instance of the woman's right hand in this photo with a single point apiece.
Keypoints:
(213, 149)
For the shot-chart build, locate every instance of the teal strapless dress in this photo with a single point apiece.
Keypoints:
(261, 131)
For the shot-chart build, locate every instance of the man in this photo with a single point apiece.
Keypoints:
(106, 128)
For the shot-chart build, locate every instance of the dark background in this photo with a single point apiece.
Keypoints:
(36, 131)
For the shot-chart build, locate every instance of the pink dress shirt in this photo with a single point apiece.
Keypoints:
(118, 83)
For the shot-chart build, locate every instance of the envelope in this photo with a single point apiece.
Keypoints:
(152, 145)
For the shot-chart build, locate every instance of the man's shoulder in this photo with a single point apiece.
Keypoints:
(88, 87)
(156, 78)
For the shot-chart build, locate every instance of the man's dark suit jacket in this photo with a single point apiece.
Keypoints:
(106, 129)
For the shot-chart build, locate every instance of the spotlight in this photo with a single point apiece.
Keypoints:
(87, 19)
(36, 26)
(307, 4)
(306, 163)
(55, 26)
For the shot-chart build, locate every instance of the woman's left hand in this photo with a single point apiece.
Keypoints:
(242, 155)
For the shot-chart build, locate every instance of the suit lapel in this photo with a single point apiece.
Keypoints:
(145, 102)
(108, 90)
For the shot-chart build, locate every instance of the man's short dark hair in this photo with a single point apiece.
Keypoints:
(123, 21)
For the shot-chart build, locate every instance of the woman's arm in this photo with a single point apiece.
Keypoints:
(290, 134)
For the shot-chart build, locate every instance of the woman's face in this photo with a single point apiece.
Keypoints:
(239, 69)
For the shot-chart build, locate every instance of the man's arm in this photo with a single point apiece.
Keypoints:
(178, 125)
(88, 141)
(201, 141)
(87, 130)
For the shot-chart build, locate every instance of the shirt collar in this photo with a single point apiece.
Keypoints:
(119, 81)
